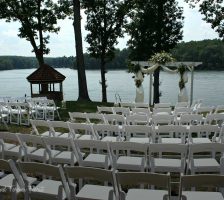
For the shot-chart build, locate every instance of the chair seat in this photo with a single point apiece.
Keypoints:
(6, 181)
(167, 165)
(206, 165)
(171, 140)
(66, 135)
(85, 137)
(131, 163)
(8, 146)
(37, 155)
(47, 189)
(65, 157)
(95, 192)
(15, 151)
(112, 139)
(201, 140)
(196, 195)
(145, 194)
(140, 140)
(96, 160)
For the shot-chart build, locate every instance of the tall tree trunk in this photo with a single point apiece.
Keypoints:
(156, 85)
(83, 91)
(160, 3)
(103, 81)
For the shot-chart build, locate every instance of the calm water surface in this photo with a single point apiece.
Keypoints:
(208, 85)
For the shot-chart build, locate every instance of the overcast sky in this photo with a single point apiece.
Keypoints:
(62, 44)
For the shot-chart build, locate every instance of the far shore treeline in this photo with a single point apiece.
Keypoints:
(210, 52)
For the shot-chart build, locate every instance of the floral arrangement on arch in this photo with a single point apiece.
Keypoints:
(136, 69)
(162, 58)
(182, 69)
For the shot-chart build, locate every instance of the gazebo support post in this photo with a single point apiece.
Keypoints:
(31, 89)
(192, 84)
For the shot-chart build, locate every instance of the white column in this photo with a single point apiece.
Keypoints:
(150, 89)
(192, 84)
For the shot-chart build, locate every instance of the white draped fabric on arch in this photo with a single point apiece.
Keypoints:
(182, 96)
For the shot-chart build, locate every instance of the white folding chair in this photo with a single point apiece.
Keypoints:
(174, 134)
(211, 181)
(138, 133)
(60, 150)
(14, 113)
(4, 115)
(128, 155)
(82, 131)
(97, 156)
(132, 181)
(10, 145)
(50, 110)
(141, 105)
(167, 157)
(219, 136)
(91, 191)
(219, 109)
(215, 118)
(203, 133)
(33, 147)
(108, 132)
(205, 110)
(142, 111)
(127, 104)
(95, 118)
(77, 117)
(52, 185)
(202, 158)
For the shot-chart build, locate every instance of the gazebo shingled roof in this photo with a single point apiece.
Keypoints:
(46, 73)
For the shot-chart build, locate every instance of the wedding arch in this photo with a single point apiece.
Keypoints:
(147, 67)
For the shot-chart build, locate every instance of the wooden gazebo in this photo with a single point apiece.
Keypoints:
(46, 82)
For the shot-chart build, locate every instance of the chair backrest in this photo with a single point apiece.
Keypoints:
(219, 108)
(128, 179)
(161, 111)
(141, 111)
(137, 119)
(95, 118)
(106, 130)
(201, 180)
(182, 110)
(162, 105)
(182, 104)
(105, 110)
(122, 110)
(191, 119)
(162, 119)
(80, 128)
(205, 110)
(9, 137)
(33, 140)
(63, 126)
(141, 105)
(115, 119)
(138, 131)
(127, 104)
(77, 117)
(37, 124)
(217, 118)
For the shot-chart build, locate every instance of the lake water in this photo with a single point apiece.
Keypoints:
(208, 85)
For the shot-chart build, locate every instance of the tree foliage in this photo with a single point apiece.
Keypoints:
(37, 18)
(155, 26)
(105, 22)
(213, 12)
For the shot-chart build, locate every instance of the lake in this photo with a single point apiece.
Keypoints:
(208, 85)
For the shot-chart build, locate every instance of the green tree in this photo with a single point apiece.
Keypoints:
(156, 25)
(213, 12)
(37, 18)
(105, 23)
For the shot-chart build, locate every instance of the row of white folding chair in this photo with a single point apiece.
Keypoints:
(65, 183)
(43, 149)
(43, 108)
(135, 133)
(134, 105)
